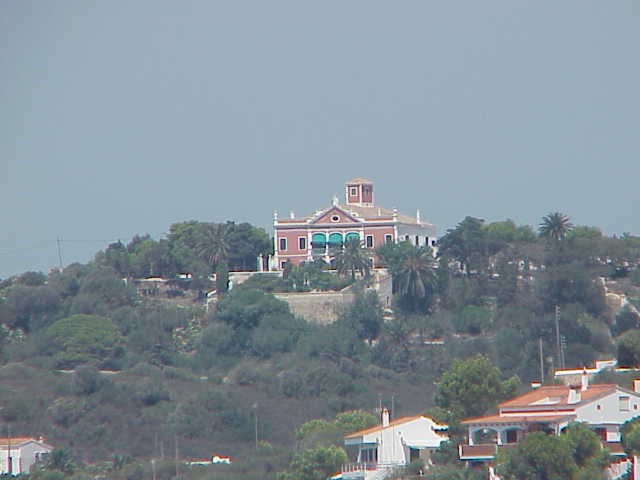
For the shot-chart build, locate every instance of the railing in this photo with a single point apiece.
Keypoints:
(370, 467)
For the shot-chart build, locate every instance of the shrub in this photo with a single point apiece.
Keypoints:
(87, 380)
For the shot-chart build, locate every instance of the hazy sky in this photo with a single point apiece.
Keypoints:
(123, 117)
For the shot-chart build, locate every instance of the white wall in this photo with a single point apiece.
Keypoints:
(609, 412)
(24, 457)
(392, 440)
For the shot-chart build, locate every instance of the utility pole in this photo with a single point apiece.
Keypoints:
(393, 407)
(541, 362)
(175, 440)
(255, 418)
(59, 252)
(558, 346)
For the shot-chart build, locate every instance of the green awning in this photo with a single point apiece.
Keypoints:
(335, 239)
(318, 239)
(352, 236)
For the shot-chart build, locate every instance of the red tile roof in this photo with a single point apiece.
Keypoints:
(16, 441)
(518, 419)
(559, 392)
(378, 428)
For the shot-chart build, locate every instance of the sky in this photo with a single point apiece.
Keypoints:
(119, 118)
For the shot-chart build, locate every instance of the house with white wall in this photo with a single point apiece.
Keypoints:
(604, 408)
(392, 444)
(18, 455)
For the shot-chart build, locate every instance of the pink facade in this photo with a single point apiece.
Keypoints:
(323, 234)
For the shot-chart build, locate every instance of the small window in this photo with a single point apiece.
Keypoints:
(335, 218)
(624, 403)
(426, 241)
(598, 407)
(433, 243)
(406, 238)
(417, 241)
(283, 265)
(302, 243)
(353, 191)
(388, 238)
(369, 241)
(283, 244)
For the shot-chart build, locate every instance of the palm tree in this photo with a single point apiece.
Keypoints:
(555, 226)
(214, 246)
(353, 258)
(416, 278)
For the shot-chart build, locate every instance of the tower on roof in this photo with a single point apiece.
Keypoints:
(359, 191)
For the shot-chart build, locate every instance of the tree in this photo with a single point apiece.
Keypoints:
(467, 243)
(631, 437)
(416, 280)
(315, 464)
(472, 386)
(31, 308)
(82, 339)
(629, 349)
(555, 227)
(353, 258)
(214, 246)
(538, 456)
(364, 315)
(61, 459)
(576, 454)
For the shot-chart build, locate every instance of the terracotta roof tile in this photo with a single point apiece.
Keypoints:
(377, 428)
(518, 419)
(558, 395)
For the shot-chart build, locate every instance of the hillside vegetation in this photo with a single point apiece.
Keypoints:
(115, 379)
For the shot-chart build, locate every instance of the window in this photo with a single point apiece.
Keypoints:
(512, 436)
(369, 455)
(369, 241)
(283, 244)
(406, 238)
(302, 243)
(417, 241)
(335, 218)
(388, 238)
(353, 191)
(426, 241)
(624, 403)
(283, 265)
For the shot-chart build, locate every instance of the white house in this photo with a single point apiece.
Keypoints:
(551, 409)
(392, 444)
(19, 454)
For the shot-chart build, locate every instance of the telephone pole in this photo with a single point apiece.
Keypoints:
(541, 362)
(59, 252)
(558, 345)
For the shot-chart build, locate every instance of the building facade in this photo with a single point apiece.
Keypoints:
(604, 408)
(18, 455)
(324, 233)
(391, 445)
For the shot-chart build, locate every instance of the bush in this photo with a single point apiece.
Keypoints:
(149, 392)
(82, 339)
(87, 380)
(473, 320)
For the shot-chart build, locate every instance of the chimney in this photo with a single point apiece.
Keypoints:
(574, 396)
(584, 380)
(385, 417)
(418, 215)
(636, 385)
(292, 215)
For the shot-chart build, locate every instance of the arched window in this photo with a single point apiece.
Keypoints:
(335, 240)
(355, 236)
(318, 241)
